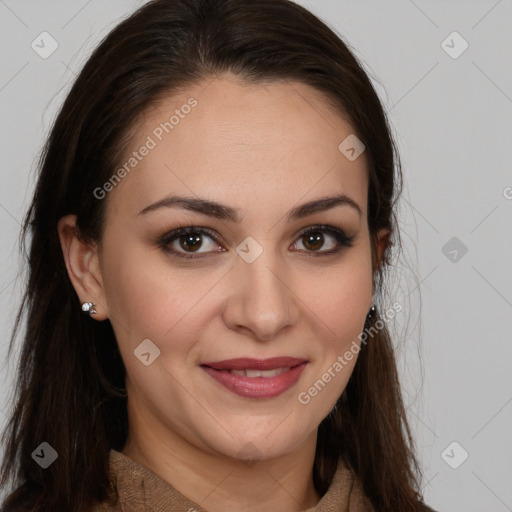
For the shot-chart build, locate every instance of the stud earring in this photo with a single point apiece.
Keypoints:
(371, 313)
(88, 307)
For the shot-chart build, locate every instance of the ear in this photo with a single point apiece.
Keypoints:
(382, 244)
(382, 241)
(83, 266)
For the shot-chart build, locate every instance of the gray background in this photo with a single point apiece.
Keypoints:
(452, 120)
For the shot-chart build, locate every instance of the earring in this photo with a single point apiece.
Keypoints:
(371, 313)
(88, 307)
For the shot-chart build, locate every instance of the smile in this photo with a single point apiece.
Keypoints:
(256, 378)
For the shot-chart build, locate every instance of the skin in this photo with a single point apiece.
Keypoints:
(263, 149)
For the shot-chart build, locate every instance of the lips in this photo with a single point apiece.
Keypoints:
(256, 378)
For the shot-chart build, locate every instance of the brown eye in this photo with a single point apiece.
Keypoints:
(190, 241)
(313, 240)
(186, 242)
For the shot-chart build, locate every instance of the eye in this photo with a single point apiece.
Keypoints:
(313, 239)
(186, 242)
(189, 240)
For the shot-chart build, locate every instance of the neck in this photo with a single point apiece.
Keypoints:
(219, 483)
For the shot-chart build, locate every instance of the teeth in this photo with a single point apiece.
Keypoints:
(260, 373)
(273, 373)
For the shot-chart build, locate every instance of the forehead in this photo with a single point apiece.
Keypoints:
(241, 144)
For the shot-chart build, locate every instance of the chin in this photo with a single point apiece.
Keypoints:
(253, 444)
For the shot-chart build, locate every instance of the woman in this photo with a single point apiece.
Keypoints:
(210, 230)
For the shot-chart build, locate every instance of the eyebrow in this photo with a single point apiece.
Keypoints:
(223, 212)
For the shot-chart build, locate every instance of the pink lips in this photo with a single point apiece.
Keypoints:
(279, 374)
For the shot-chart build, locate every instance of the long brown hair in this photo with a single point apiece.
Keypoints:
(70, 383)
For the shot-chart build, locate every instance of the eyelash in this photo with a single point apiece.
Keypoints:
(339, 235)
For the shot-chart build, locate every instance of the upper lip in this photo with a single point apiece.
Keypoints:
(244, 363)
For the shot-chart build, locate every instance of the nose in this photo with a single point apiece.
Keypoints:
(262, 301)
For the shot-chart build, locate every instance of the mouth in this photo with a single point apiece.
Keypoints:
(256, 378)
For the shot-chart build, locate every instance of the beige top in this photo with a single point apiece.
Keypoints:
(141, 490)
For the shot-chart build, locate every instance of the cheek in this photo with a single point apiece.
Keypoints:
(144, 292)
(341, 296)
(150, 298)
(340, 301)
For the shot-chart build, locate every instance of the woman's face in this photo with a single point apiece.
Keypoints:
(254, 288)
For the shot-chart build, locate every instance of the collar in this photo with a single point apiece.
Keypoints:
(141, 490)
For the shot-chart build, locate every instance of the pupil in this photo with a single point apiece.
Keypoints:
(190, 240)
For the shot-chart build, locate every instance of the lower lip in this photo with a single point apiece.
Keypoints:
(256, 387)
